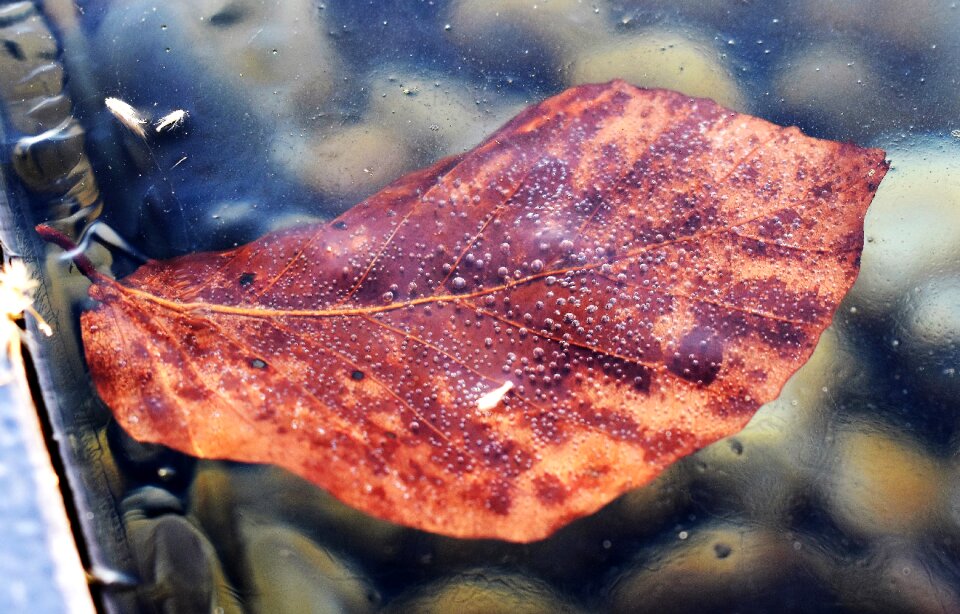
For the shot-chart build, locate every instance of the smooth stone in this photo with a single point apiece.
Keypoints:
(513, 34)
(261, 51)
(28, 40)
(889, 576)
(725, 567)
(28, 70)
(756, 473)
(434, 113)
(484, 591)
(241, 103)
(928, 334)
(806, 400)
(882, 485)
(912, 28)
(222, 493)
(178, 568)
(46, 163)
(648, 510)
(33, 116)
(148, 502)
(288, 572)
(43, 81)
(912, 229)
(348, 163)
(835, 88)
(687, 62)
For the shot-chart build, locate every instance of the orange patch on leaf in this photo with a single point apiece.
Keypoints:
(645, 269)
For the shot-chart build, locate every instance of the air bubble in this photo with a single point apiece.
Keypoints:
(458, 283)
(536, 266)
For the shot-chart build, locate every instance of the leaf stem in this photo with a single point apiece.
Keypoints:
(80, 260)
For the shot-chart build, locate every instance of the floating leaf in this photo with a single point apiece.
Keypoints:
(511, 338)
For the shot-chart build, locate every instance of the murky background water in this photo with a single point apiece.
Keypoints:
(841, 496)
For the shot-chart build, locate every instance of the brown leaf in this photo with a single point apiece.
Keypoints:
(506, 341)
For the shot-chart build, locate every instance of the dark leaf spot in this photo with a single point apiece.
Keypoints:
(550, 490)
(699, 356)
(498, 498)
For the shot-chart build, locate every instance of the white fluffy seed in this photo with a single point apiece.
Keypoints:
(127, 115)
(171, 120)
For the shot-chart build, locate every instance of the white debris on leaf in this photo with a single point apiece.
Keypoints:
(171, 120)
(493, 398)
(127, 115)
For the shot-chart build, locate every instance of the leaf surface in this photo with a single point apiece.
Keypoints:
(509, 339)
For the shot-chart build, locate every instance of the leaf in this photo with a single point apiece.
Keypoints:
(509, 339)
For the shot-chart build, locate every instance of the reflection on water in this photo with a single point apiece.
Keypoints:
(843, 495)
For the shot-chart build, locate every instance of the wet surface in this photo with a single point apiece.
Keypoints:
(840, 496)
(374, 349)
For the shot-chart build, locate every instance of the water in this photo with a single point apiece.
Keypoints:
(841, 496)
